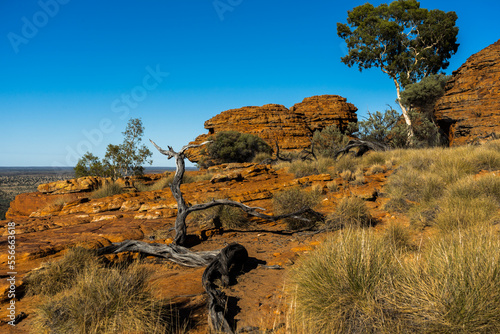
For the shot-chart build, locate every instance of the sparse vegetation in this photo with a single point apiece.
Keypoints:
(295, 199)
(350, 212)
(220, 216)
(233, 146)
(125, 159)
(340, 287)
(108, 189)
(88, 297)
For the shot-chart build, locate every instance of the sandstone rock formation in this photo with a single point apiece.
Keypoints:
(470, 109)
(291, 128)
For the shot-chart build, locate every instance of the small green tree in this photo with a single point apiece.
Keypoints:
(329, 140)
(406, 42)
(125, 159)
(379, 126)
(90, 165)
(388, 128)
(233, 146)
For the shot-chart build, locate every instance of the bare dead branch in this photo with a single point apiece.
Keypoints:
(174, 253)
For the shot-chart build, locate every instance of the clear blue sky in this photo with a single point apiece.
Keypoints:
(73, 72)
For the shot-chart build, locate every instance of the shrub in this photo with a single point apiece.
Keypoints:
(378, 127)
(351, 211)
(232, 146)
(109, 189)
(329, 140)
(340, 287)
(292, 200)
(389, 128)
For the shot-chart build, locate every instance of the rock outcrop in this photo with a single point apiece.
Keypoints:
(291, 128)
(469, 111)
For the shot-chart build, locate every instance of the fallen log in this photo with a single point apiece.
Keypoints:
(228, 263)
(363, 146)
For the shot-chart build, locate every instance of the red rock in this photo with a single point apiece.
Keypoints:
(470, 107)
(291, 128)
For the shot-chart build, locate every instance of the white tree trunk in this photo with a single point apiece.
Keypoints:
(404, 110)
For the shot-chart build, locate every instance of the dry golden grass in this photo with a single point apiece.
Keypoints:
(82, 295)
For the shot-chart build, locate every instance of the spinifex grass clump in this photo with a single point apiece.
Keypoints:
(107, 190)
(350, 212)
(295, 199)
(79, 294)
(57, 276)
(221, 216)
(454, 287)
(341, 287)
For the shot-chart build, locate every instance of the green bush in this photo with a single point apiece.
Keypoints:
(390, 129)
(329, 140)
(294, 199)
(232, 146)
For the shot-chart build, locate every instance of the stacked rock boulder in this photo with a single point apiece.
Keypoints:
(291, 128)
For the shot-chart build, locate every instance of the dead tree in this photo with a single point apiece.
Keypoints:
(363, 146)
(183, 210)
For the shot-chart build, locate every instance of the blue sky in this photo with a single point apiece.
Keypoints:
(73, 72)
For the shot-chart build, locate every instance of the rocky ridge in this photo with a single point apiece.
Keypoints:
(291, 128)
(49, 223)
(469, 110)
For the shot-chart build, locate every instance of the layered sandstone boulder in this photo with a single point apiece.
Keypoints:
(291, 128)
(81, 184)
(469, 111)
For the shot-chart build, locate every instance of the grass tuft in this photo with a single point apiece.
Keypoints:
(350, 212)
(295, 199)
(107, 190)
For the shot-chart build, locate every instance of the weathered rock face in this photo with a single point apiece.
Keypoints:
(291, 128)
(470, 109)
(86, 183)
(321, 111)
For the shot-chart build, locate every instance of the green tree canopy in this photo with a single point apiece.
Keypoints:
(125, 159)
(406, 42)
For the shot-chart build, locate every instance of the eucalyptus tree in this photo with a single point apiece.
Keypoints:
(406, 42)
